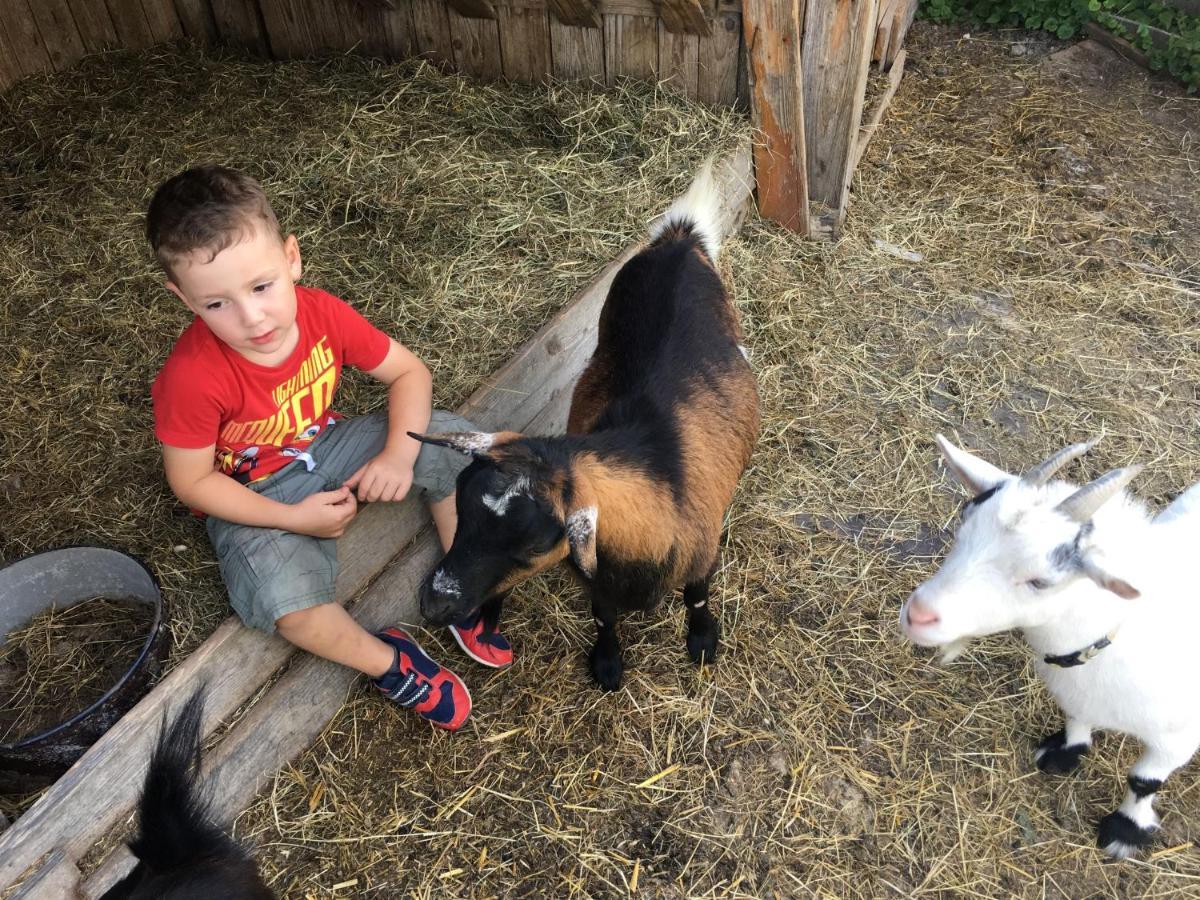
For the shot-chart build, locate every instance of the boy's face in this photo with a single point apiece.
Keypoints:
(246, 294)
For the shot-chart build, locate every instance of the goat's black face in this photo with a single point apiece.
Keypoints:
(508, 529)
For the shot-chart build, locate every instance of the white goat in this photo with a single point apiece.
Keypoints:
(1104, 594)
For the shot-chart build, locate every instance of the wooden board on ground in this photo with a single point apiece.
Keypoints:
(531, 392)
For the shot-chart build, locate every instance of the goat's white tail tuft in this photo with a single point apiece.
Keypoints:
(699, 208)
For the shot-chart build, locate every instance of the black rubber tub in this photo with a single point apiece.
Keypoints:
(65, 578)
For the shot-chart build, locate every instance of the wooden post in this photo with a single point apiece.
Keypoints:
(772, 30)
(838, 40)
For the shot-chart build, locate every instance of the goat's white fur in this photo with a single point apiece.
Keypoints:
(701, 207)
(1143, 684)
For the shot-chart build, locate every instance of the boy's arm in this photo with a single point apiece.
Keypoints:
(410, 403)
(194, 481)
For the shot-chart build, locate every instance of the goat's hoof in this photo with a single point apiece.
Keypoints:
(1121, 837)
(607, 669)
(1055, 758)
(702, 642)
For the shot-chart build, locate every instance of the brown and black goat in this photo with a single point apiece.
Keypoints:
(181, 854)
(662, 423)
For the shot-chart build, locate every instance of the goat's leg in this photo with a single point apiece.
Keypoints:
(1059, 753)
(605, 659)
(703, 630)
(1131, 827)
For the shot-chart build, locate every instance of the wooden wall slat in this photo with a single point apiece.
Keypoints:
(329, 26)
(129, 20)
(95, 25)
(163, 21)
(525, 43)
(679, 60)
(10, 68)
(398, 31)
(29, 53)
(476, 45)
(284, 23)
(431, 32)
(577, 53)
(575, 12)
(60, 36)
(838, 40)
(717, 74)
(630, 47)
(240, 23)
(196, 19)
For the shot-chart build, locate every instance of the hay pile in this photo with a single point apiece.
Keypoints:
(457, 216)
(820, 757)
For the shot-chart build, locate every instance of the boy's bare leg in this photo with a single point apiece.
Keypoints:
(445, 518)
(328, 631)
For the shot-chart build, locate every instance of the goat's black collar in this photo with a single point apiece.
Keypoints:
(1079, 657)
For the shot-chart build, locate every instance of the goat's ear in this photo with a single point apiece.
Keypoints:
(478, 444)
(973, 473)
(581, 519)
(1095, 570)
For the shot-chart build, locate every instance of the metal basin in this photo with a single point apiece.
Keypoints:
(66, 578)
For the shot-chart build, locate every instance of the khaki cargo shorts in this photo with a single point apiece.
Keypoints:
(268, 572)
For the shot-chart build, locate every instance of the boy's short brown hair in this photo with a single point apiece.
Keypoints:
(205, 208)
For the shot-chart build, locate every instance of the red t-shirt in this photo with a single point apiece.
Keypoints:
(262, 417)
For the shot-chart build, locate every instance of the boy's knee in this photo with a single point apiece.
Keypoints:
(298, 621)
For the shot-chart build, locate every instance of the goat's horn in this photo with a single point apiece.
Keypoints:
(1082, 504)
(1044, 471)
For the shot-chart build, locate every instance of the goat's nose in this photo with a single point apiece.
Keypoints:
(918, 613)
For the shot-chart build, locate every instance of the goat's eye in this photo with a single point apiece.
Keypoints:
(1038, 584)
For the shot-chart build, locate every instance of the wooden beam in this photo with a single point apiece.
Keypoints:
(838, 39)
(581, 13)
(684, 17)
(531, 392)
(56, 878)
(772, 31)
(473, 9)
(875, 116)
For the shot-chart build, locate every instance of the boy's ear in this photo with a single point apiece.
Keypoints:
(291, 250)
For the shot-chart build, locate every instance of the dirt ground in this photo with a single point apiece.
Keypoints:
(1052, 223)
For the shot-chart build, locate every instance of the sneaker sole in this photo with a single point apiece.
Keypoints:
(479, 659)
(463, 684)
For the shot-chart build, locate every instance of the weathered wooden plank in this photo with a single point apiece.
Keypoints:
(525, 44)
(650, 8)
(679, 60)
(240, 23)
(95, 25)
(1118, 45)
(885, 18)
(431, 32)
(684, 17)
(398, 29)
(577, 53)
(24, 41)
(163, 20)
(717, 60)
(905, 12)
(196, 19)
(129, 21)
(476, 45)
(60, 35)
(56, 878)
(875, 115)
(286, 27)
(473, 9)
(323, 24)
(771, 31)
(630, 47)
(838, 39)
(575, 12)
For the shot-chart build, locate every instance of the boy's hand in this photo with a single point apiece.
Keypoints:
(324, 515)
(384, 478)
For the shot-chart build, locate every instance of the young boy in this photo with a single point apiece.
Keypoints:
(243, 408)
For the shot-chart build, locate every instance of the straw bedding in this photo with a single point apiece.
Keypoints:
(1054, 298)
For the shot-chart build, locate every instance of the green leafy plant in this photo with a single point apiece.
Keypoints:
(1169, 37)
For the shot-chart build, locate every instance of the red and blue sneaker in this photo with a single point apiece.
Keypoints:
(416, 682)
(483, 642)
